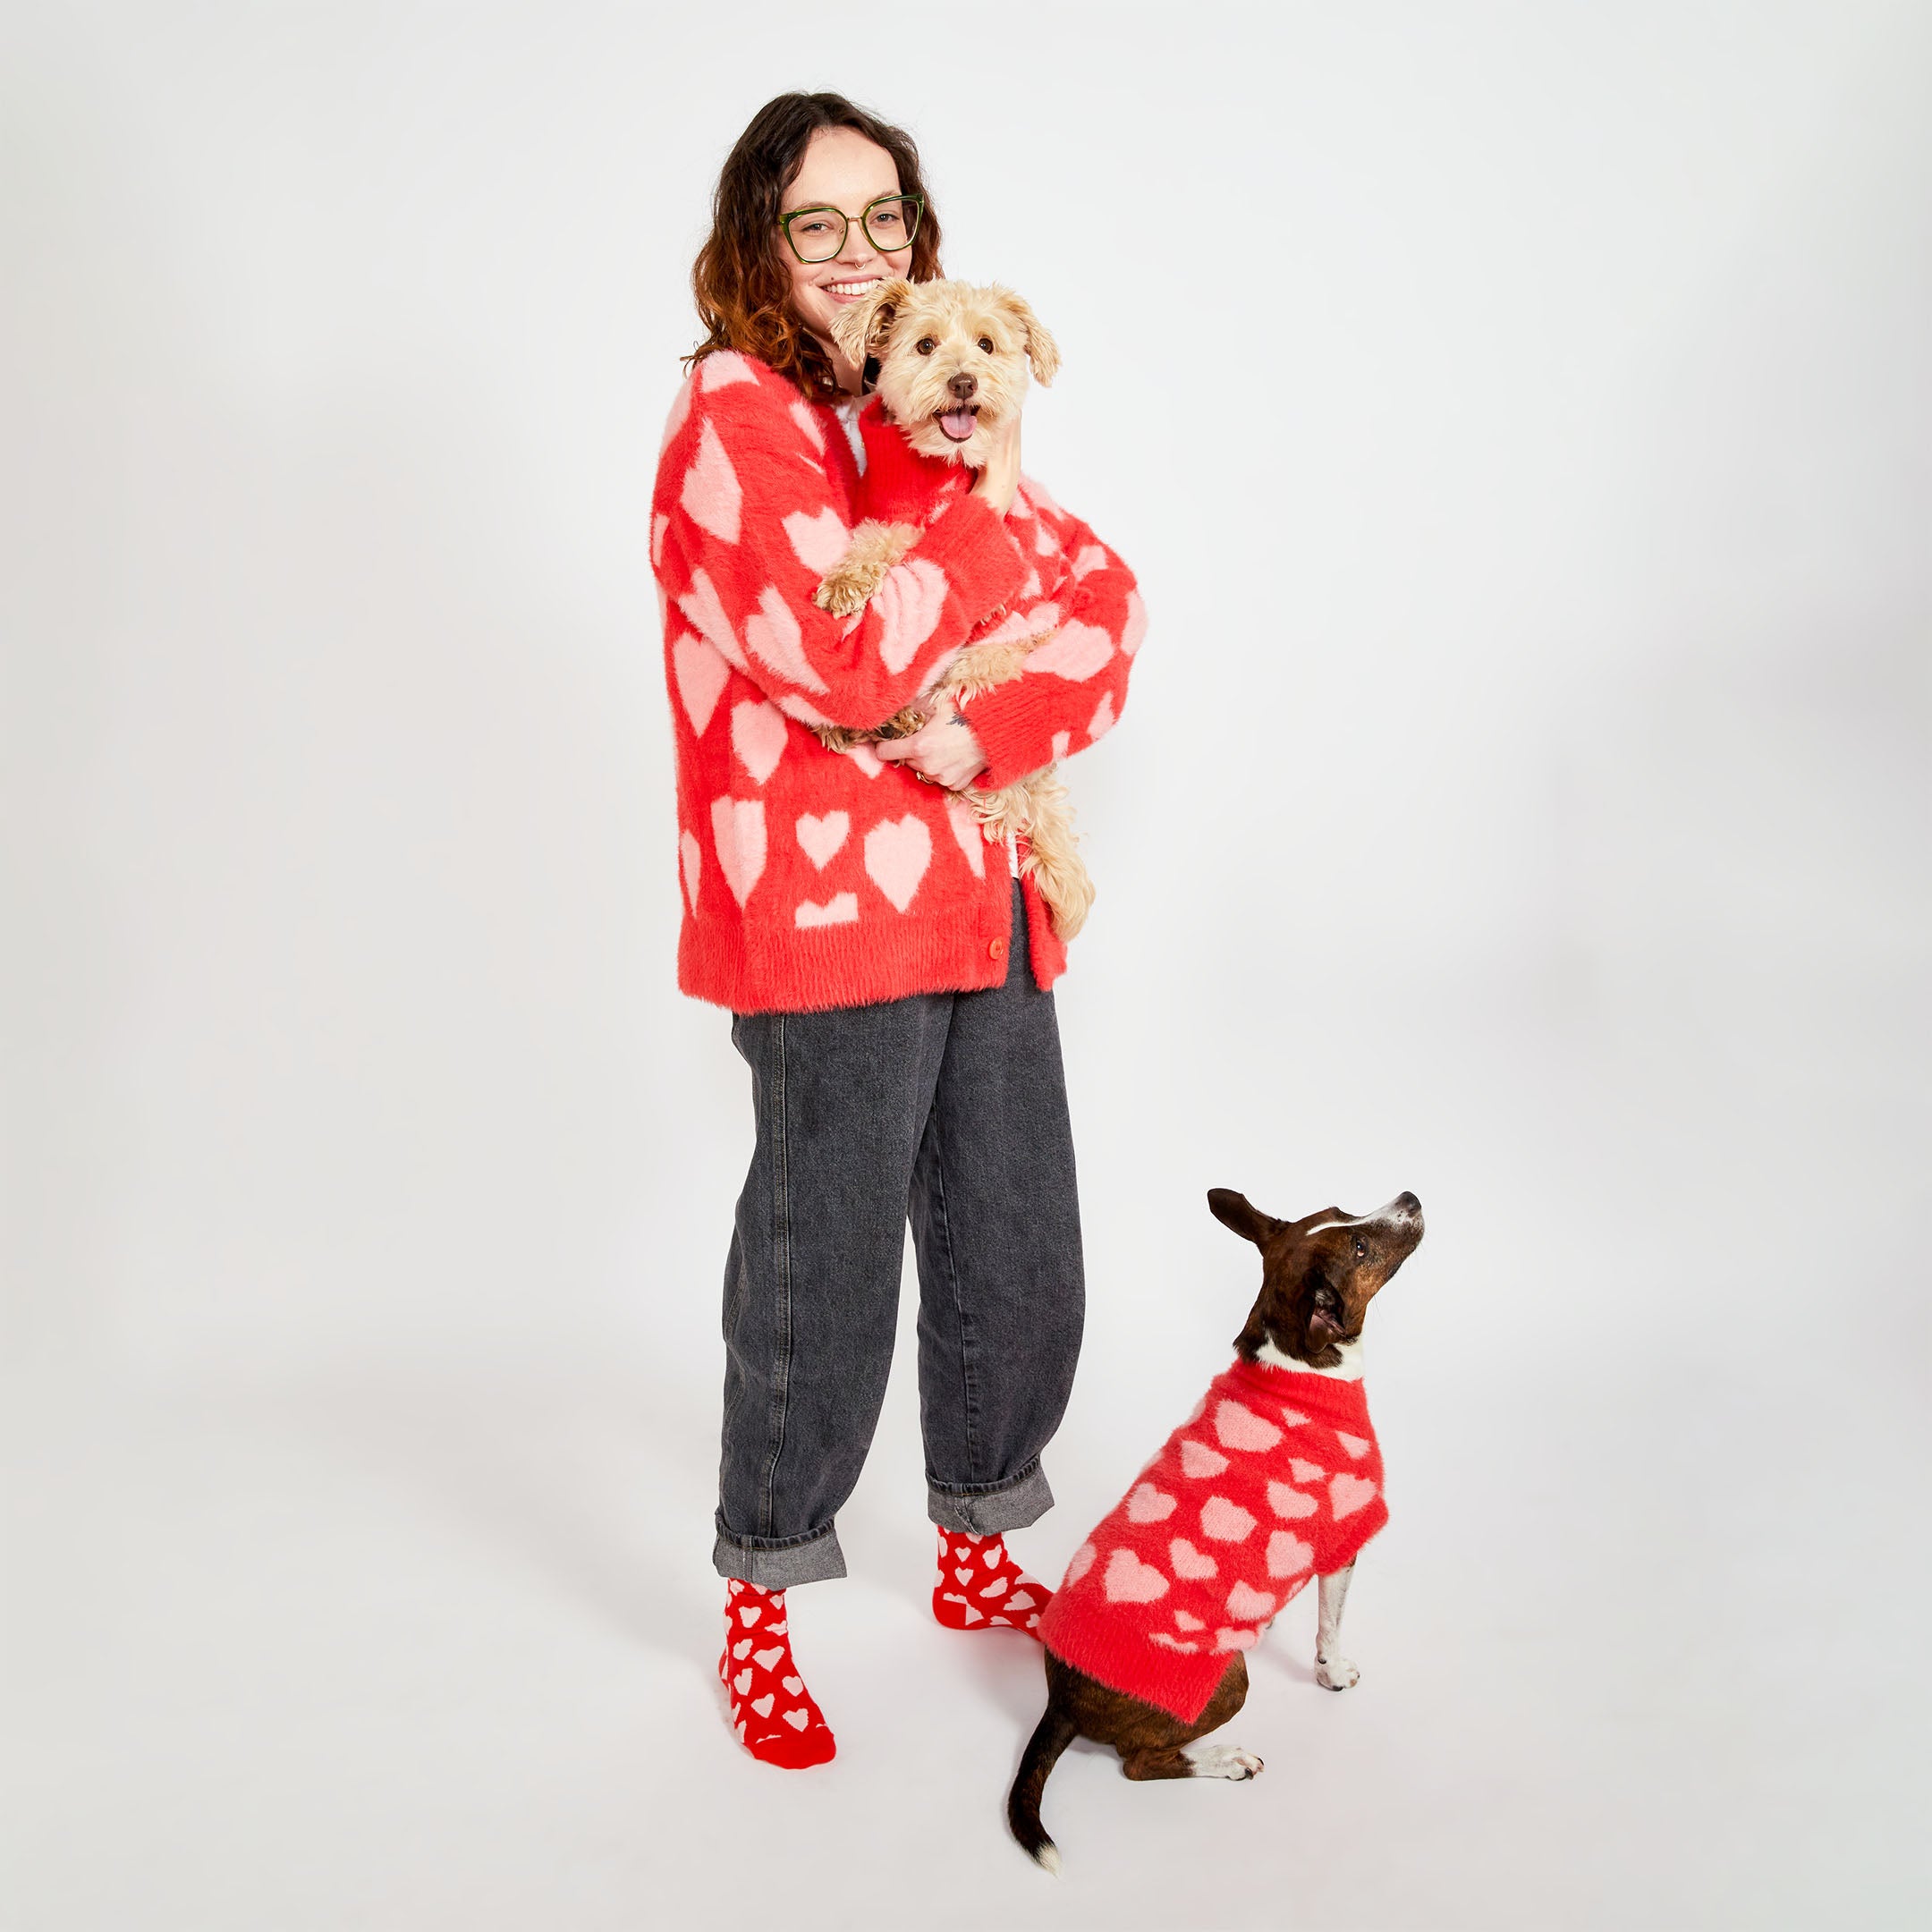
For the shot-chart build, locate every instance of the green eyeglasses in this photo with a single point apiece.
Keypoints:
(818, 234)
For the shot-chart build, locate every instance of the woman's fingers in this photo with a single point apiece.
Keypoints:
(945, 750)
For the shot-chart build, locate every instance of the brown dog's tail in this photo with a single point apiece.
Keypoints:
(1051, 1736)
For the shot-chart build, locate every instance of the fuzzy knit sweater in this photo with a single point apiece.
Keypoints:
(1274, 1478)
(814, 879)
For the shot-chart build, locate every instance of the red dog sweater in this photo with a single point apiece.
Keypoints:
(1274, 1478)
(814, 879)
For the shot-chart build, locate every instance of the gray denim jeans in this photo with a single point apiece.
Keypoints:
(949, 1109)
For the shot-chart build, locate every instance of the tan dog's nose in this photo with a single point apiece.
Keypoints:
(962, 386)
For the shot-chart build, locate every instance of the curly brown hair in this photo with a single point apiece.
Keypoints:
(742, 289)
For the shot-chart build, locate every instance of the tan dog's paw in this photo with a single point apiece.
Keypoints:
(1336, 1673)
(846, 588)
(874, 548)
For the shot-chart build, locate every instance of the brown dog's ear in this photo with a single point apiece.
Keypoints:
(861, 329)
(1042, 350)
(1238, 1213)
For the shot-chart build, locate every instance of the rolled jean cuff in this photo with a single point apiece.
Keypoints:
(984, 1509)
(811, 1559)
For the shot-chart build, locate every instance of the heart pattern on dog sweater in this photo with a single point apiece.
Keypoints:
(1274, 1478)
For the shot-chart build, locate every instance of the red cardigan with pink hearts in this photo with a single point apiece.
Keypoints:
(1276, 1477)
(814, 879)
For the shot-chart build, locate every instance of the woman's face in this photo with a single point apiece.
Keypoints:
(842, 169)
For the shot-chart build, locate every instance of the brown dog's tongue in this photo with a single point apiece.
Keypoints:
(958, 425)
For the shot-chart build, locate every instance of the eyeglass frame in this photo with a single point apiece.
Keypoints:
(826, 208)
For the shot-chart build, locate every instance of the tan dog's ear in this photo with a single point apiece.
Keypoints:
(1042, 350)
(861, 329)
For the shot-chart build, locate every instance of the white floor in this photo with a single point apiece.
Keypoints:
(422, 1648)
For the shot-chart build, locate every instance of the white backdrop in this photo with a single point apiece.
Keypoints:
(1518, 419)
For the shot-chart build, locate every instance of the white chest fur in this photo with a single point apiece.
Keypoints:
(1348, 1369)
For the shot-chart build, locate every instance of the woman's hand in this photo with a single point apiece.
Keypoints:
(999, 478)
(944, 750)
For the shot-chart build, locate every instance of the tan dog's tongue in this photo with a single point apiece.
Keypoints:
(958, 425)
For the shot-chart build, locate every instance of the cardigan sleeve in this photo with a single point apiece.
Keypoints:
(1072, 688)
(746, 518)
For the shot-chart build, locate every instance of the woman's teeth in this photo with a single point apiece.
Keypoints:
(852, 288)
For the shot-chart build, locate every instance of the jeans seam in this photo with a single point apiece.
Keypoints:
(782, 1245)
(967, 1405)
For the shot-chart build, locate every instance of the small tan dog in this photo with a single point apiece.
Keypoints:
(953, 360)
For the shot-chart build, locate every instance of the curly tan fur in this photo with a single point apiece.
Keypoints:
(956, 320)
(874, 548)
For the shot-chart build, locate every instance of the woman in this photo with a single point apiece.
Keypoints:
(846, 907)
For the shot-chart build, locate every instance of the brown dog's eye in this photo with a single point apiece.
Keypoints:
(926, 345)
(986, 342)
(1362, 1247)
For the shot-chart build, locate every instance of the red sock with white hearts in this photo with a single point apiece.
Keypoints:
(772, 1711)
(981, 1586)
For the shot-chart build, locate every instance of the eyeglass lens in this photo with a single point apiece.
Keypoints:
(818, 234)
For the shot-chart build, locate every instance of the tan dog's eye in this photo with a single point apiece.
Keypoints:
(986, 342)
(926, 345)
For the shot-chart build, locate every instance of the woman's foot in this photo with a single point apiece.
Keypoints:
(772, 1711)
(981, 1586)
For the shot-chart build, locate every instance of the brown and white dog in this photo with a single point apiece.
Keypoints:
(1257, 1442)
(953, 362)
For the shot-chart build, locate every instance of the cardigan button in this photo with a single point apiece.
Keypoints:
(995, 948)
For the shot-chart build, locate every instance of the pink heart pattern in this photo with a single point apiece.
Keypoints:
(966, 833)
(1128, 1579)
(841, 909)
(820, 838)
(1288, 1554)
(1224, 1521)
(711, 496)
(773, 634)
(1149, 1505)
(738, 838)
(897, 852)
(702, 674)
(690, 857)
(758, 733)
(1250, 1605)
(1242, 1429)
(908, 602)
(1347, 1493)
(1074, 652)
(1191, 1563)
(818, 542)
